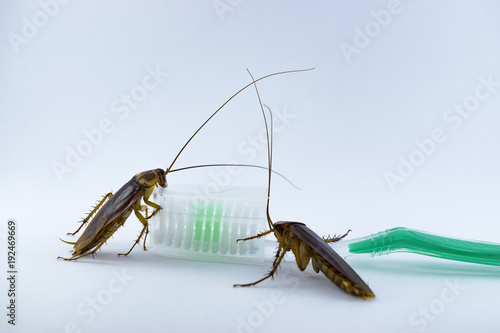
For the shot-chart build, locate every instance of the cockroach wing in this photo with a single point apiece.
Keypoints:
(116, 206)
(324, 254)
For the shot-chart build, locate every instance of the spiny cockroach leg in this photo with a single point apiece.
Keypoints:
(257, 236)
(336, 238)
(96, 208)
(276, 264)
(145, 228)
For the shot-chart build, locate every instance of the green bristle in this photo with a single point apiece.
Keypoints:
(200, 217)
(209, 216)
(217, 219)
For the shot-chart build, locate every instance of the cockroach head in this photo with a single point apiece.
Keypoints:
(162, 180)
(282, 225)
(151, 177)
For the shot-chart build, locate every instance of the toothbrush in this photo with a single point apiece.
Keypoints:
(401, 239)
(199, 224)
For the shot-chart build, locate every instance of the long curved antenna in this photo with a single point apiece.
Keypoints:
(235, 164)
(269, 149)
(270, 157)
(213, 114)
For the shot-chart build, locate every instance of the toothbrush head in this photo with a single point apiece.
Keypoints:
(198, 224)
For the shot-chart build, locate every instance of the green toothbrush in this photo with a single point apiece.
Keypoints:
(407, 240)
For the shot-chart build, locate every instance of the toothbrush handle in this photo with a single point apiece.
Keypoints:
(413, 241)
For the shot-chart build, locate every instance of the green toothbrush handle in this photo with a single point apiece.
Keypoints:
(413, 241)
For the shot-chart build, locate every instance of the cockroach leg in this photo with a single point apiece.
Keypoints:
(145, 228)
(96, 208)
(256, 236)
(280, 254)
(155, 206)
(336, 238)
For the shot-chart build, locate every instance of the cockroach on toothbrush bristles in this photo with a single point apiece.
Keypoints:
(113, 210)
(305, 244)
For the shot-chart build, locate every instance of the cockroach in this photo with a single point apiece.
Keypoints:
(305, 244)
(113, 210)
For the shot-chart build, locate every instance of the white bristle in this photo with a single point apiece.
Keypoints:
(195, 225)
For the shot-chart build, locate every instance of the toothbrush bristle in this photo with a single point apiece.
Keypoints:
(194, 226)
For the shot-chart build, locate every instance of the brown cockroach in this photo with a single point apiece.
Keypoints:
(305, 244)
(113, 210)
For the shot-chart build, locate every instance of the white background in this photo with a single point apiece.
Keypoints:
(355, 118)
